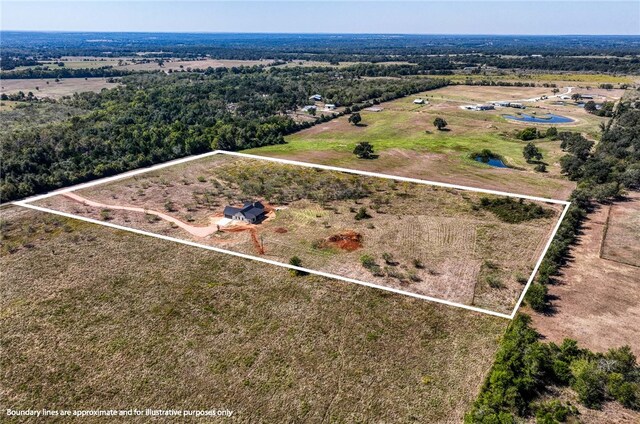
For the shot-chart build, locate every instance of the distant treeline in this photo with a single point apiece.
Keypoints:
(157, 117)
(296, 46)
(427, 53)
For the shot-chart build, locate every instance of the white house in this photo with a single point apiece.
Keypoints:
(418, 101)
(316, 98)
(330, 106)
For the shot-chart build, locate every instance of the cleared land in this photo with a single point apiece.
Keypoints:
(408, 144)
(52, 89)
(140, 63)
(597, 300)
(418, 238)
(93, 318)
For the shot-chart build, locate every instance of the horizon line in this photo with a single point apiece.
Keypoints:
(319, 33)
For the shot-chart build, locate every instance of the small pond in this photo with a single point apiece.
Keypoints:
(492, 162)
(549, 118)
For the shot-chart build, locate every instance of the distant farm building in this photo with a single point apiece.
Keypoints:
(483, 107)
(309, 108)
(418, 101)
(517, 105)
(251, 212)
(503, 104)
(316, 98)
(330, 106)
(586, 96)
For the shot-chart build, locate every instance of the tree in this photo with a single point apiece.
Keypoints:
(590, 106)
(531, 152)
(552, 132)
(355, 118)
(364, 150)
(529, 133)
(439, 123)
(575, 97)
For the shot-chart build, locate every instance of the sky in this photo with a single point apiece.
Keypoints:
(540, 17)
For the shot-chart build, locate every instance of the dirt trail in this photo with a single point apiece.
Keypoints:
(193, 230)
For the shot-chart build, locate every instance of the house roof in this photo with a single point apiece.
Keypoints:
(249, 210)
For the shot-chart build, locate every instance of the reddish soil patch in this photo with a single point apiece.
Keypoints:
(252, 231)
(280, 230)
(597, 301)
(348, 240)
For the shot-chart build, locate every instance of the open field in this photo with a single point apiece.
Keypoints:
(576, 79)
(408, 144)
(622, 237)
(140, 63)
(420, 239)
(55, 90)
(94, 318)
(597, 300)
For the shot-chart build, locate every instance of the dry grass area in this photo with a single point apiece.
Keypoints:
(622, 237)
(597, 300)
(408, 144)
(420, 238)
(97, 318)
(52, 89)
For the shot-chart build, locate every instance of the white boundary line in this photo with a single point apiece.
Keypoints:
(27, 204)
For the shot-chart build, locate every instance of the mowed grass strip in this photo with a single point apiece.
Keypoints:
(95, 318)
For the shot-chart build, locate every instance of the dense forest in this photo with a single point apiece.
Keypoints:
(157, 117)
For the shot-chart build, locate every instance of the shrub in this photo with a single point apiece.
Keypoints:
(589, 382)
(296, 261)
(364, 150)
(417, 263)
(367, 261)
(552, 132)
(362, 214)
(553, 412)
(105, 214)
(388, 258)
(541, 167)
(495, 282)
(527, 134)
(625, 392)
(514, 212)
(536, 297)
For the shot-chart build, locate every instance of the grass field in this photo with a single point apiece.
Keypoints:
(94, 318)
(558, 78)
(140, 63)
(442, 242)
(50, 88)
(408, 144)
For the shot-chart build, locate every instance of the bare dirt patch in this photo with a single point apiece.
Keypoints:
(347, 240)
(622, 237)
(597, 301)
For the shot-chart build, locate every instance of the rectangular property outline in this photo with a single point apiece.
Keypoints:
(27, 204)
